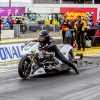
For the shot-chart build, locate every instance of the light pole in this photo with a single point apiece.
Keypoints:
(9, 3)
(93, 1)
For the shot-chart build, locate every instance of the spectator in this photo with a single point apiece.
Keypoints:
(2, 20)
(55, 23)
(22, 20)
(61, 19)
(17, 28)
(80, 29)
(22, 25)
(84, 19)
(10, 15)
(90, 23)
(74, 37)
(65, 25)
(0, 24)
(12, 23)
(98, 24)
(68, 37)
(8, 21)
(18, 21)
(56, 17)
(47, 23)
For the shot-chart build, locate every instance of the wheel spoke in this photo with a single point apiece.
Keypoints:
(26, 68)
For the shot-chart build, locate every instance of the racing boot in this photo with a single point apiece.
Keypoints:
(74, 67)
(76, 70)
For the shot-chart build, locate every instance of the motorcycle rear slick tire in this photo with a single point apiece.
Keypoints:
(24, 71)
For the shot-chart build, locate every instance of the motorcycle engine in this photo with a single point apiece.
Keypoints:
(46, 56)
(49, 56)
(41, 56)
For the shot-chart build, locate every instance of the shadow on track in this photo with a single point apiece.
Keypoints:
(50, 75)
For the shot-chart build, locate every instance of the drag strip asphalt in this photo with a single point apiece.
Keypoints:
(61, 86)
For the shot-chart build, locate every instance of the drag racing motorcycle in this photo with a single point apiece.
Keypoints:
(43, 61)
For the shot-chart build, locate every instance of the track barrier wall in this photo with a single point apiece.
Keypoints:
(9, 52)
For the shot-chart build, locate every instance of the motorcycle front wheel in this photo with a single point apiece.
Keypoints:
(24, 67)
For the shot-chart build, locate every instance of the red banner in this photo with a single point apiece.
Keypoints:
(86, 13)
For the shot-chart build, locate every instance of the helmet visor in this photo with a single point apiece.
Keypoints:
(42, 38)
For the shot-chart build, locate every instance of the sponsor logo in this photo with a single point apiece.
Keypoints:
(40, 72)
(73, 15)
(64, 53)
(10, 52)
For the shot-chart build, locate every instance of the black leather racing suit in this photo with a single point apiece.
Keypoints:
(52, 46)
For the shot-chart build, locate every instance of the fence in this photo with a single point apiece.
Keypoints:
(30, 27)
(50, 28)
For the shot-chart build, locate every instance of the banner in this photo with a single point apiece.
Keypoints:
(20, 1)
(17, 11)
(86, 13)
(42, 10)
(10, 52)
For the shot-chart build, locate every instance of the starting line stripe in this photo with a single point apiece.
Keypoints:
(3, 67)
(7, 70)
(9, 62)
(23, 40)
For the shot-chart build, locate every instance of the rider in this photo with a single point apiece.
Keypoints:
(47, 41)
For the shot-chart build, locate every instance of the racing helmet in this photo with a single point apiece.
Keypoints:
(43, 37)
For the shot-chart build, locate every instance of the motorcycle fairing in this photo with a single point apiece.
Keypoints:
(33, 47)
(39, 71)
(65, 50)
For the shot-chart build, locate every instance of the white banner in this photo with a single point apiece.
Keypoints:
(10, 52)
(43, 9)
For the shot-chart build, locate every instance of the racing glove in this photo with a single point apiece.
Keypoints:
(46, 47)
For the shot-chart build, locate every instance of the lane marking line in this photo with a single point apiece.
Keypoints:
(6, 70)
(23, 40)
(9, 62)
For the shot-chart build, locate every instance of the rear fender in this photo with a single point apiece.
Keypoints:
(65, 50)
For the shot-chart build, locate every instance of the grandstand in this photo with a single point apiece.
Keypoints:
(66, 3)
(62, 1)
(52, 3)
